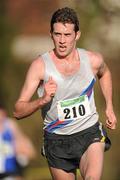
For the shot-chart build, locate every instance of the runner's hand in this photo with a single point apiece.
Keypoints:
(49, 89)
(111, 119)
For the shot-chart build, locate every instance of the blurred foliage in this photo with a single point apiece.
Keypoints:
(12, 74)
(7, 32)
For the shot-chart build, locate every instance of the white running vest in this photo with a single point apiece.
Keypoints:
(72, 109)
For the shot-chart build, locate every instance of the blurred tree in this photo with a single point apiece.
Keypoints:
(7, 32)
(5, 36)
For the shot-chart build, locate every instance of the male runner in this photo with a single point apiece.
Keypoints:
(65, 77)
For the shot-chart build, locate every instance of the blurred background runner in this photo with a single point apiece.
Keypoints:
(16, 150)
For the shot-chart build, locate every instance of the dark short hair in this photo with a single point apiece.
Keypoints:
(65, 15)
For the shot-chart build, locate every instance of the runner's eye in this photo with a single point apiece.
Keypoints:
(67, 35)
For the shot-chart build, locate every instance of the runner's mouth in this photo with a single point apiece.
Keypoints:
(62, 48)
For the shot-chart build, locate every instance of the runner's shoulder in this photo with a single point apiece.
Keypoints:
(96, 58)
(38, 62)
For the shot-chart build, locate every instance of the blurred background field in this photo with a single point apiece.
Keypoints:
(24, 34)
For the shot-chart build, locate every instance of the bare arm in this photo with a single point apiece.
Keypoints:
(23, 145)
(103, 73)
(24, 106)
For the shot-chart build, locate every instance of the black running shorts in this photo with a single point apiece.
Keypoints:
(65, 151)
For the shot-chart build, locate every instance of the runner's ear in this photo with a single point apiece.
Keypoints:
(78, 34)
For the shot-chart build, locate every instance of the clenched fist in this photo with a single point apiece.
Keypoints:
(49, 89)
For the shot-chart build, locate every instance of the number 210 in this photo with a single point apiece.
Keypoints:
(80, 109)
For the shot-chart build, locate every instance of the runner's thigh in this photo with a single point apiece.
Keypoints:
(59, 174)
(91, 163)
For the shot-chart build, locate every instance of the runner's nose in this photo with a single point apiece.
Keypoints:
(62, 39)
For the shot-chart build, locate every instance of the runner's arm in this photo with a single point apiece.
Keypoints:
(104, 75)
(24, 106)
(23, 145)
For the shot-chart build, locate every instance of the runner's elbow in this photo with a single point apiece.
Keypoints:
(17, 115)
(17, 112)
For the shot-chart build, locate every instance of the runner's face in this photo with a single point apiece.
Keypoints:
(64, 38)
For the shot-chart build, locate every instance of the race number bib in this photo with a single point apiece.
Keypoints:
(5, 151)
(71, 109)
